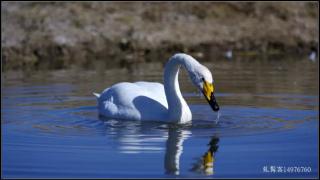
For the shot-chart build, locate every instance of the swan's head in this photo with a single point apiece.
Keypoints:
(202, 79)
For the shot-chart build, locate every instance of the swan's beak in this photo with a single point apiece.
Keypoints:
(208, 91)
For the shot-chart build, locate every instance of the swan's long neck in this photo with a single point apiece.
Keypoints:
(178, 109)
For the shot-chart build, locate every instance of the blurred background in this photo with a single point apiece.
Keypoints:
(59, 35)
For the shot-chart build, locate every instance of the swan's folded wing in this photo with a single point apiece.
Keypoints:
(135, 101)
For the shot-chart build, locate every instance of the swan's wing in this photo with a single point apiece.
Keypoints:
(154, 91)
(139, 101)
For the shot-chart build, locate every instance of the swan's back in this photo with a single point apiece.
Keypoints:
(134, 101)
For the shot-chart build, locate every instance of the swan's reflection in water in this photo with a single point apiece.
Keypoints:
(139, 137)
(174, 149)
(206, 162)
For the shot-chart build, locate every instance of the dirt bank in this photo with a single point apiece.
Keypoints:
(55, 35)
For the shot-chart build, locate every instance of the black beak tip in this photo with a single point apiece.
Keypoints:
(213, 103)
(215, 107)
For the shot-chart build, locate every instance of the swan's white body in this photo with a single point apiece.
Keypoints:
(154, 101)
(134, 101)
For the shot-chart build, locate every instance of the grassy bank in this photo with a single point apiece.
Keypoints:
(56, 35)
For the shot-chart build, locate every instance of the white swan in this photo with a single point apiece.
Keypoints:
(153, 101)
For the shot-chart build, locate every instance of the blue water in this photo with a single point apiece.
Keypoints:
(51, 129)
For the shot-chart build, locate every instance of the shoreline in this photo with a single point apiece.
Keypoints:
(56, 35)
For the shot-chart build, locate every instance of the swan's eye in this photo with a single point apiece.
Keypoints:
(202, 79)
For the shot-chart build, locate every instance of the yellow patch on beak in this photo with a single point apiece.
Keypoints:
(208, 89)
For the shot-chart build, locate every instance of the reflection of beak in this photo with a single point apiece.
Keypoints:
(208, 163)
(208, 91)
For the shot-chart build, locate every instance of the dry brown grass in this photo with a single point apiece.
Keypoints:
(62, 34)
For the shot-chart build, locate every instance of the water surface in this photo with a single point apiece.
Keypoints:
(267, 126)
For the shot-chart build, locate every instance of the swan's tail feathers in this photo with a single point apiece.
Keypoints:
(96, 95)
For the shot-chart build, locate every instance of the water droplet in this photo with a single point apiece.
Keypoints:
(218, 117)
